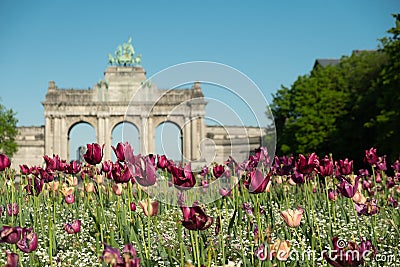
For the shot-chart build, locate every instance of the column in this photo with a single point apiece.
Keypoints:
(107, 139)
(48, 136)
(150, 136)
(63, 139)
(186, 141)
(57, 137)
(202, 137)
(194, 142)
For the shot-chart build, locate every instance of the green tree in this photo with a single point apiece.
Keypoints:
(306, 114)
(387, 121)
(8, 131)
(329, 110)
(354, 135)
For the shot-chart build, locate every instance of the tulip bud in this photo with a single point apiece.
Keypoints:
(332, 194)
(12, 210)
(99, 179)
(69, 199)
(89, 187)
(12, 259)
(4, 162)
(132, 206)
(73, 228)
(117, 188)
(151, 210)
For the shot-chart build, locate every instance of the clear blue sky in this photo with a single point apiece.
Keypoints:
(273, 42)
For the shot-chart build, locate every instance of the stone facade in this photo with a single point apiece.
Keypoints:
(30, 142)
(124, 95)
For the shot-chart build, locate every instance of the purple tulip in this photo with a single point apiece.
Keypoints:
(12, 259)
(69, 199)
(132, 206)
(194, 218)
(393, 202)
(12, 210)
(381, 164)
(261, 156)
(326, 167)
(10, 235)
(346, 188)
(283, 165)
(130, 257)
(225, 192)
(218, 170)
(4, 162)
(106, 168)
(257, 183)
(24, 169)
(396, 166)
(73, 228)
(36, 187)
(162, 162)
(145, 172)
(94, 153)
(111, 256)
(120, 151)
(371, 157)
(298, 177)
(307, 165)
(28, 241)
(367, 249)
(368, 208)
(390, 183)
(344, 167)
(50, 163)
(249, 210)
(121, 173)
(183, 178)
(73, 168)
(204, 171)
(332, 194)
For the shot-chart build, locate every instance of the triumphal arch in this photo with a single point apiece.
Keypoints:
(124, 95)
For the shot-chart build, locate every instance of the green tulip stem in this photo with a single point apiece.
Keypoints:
(148, 223)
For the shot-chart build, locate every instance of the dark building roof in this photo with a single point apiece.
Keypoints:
(326, 62)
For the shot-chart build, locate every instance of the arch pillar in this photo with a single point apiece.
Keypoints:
(150, 136)
(49, 134)
(63, 139)
(142, 135)
(57, 137)
(186, 134)
(107, 139)
(104, 136)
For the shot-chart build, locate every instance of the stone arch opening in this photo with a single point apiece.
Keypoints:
(79, 134)
(168, 140)
(126, 131)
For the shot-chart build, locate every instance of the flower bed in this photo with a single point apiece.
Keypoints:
(303, 211)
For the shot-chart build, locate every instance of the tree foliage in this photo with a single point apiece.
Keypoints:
(8, 131)
(344, 108)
